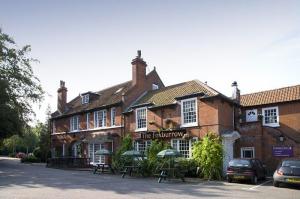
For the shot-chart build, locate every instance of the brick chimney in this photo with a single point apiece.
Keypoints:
(62, 97)
(236, 95)
(138, 70)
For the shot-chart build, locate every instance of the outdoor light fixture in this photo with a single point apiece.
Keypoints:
(281, 138)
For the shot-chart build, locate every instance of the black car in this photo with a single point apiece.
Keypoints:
(246, 169)
(288, 172)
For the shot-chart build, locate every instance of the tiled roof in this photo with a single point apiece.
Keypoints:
(167, 95)
(106, 97)
(286, 94)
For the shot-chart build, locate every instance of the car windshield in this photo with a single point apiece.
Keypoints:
(291, 163)
(239, 163)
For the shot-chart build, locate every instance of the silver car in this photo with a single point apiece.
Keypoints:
(288, 171)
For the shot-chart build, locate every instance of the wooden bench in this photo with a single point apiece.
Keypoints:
(100, 168)
(170, 173)
(130, 169)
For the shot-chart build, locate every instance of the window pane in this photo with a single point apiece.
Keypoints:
(141, 118)
(270, 116)
(113, 117)
(247, 153)
(183, 146)
(189, 111)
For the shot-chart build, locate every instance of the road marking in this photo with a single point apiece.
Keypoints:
(255, 187)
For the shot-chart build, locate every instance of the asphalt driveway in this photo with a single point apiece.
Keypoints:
(37, 182)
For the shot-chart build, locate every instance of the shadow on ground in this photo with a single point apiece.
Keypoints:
(13, 173)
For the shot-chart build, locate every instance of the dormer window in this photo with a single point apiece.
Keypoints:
(155, 87)
(85, 99)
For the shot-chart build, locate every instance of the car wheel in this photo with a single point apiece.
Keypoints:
(254, 180)
(275, 183)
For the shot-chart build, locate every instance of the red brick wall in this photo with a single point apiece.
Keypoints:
(209, 114)
(264, 138)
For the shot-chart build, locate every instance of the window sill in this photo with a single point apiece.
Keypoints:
(75, 131)
(140, 130)
(272, 125)
(189, 125)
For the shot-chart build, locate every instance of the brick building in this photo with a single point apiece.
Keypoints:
(94, 120)
(265, 125)
(269, 125)
(180, 114)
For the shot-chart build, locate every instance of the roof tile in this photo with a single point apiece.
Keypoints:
(167, 95)
(285, 94)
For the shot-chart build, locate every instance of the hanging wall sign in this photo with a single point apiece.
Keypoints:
(163, 134)
(282, 151)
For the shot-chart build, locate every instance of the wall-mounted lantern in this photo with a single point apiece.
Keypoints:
(281, 138)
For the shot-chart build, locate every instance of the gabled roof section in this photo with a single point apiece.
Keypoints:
(168, 95)
(103, 98)
(286, 94)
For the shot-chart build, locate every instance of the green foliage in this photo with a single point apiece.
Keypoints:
(44, 142)
(37, 152)
(189, 166)
(19, 88)
(30, 159)
(152, 163)
(25, 143)
(117, 160)
(208, 153)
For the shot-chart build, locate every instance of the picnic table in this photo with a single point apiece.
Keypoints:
(169, 173)
(130, 169)
(102, 167)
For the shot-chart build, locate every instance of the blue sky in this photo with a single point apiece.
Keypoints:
(90, 44)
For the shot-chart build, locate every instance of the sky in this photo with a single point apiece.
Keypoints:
(90, 44)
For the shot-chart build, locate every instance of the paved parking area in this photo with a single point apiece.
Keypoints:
(19, 181)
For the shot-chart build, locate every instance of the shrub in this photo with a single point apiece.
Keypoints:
(37, 152)
(187, 165)
(12, 155)
(117, 160)
(30, 159)
(208, 153)
(153, 163)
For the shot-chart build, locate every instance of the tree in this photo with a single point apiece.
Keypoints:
(19, 88)
(44, 134)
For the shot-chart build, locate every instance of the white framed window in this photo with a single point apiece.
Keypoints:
(189, 113)
(96, 159)
(270, 116)
(74, 123)
(88, 121)
(113, 116)
(155, 87)
(85, 99)
(141, 119)
(247, 152)
(141, 145)
(183, 146)
(251, 115)
(100, 119)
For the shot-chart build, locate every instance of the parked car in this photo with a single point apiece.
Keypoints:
(245, 169)
(288, 171)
